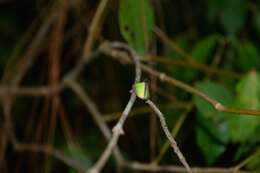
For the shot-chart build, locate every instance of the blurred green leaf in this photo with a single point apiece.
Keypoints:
(136, 20)
(212, 126)
(210, 147)
(243, 127)
(201, 53)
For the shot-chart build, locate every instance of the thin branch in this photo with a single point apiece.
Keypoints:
(117, 131)
(27, 91)
(36, 91)
(170, 168)
(77, 89)
(204, 68)
(217, 105)
(46, 149)
(174, 132)
(95, 26)
(30, 55)
(7, 127)
(118, 128)
(190, 61)
(189, 107)
(169, 136)
(167, 41)
(8, 91)
(123, 57)
(48, 15)
(143, 110)
(14, 79)
(72, 74)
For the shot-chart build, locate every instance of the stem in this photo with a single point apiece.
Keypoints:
(169, 136)
(174, 132)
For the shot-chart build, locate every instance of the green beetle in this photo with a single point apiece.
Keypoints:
(141, 90)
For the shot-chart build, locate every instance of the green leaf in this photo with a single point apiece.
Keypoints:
(210, 147)
(201, 53)
(136, 20)
(248, 96)
(212, 127)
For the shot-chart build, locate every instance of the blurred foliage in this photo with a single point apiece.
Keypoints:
(212, 126)
(136, 21)
(222, 34)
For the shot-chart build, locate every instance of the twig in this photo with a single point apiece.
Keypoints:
(174, 132)
(189, 107)
(47, 15)
(27, 91)
(217, 105)
(117, 131)
(30, 55)
(45, 91)
(163, 37)
(95, 26)
(118, 128)
(204, 68)
(22, 67)
(8, 91)
(169, 168)
(169, 136)
(187, 57)
(59, 155)
(123, 57)
(95, 114)
(80, 65)
(55, 49)
(7, 127)
(143, 110)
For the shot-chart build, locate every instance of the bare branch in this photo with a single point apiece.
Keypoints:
(123, 57)
(118, 128)
(95, 114)
(27, 91)
(46, 149)
(95, 27)
(174, 132)
(169, 136)
(217, 105)
(170, 168)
